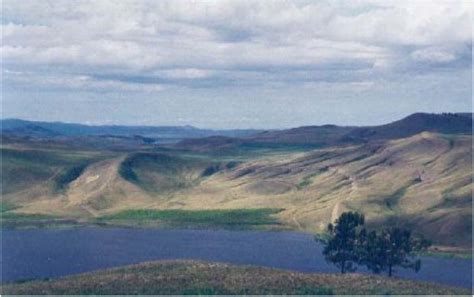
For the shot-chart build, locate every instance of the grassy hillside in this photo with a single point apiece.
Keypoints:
(163, 173)
(423, 181)
(195, 277)
(25, 167)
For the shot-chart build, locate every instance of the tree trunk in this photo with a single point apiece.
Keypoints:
(343, 266)
(390, 270)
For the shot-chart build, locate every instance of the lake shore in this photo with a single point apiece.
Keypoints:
(263, 223)
(41, 253)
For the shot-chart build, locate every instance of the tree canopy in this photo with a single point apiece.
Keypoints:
(341, 248)
(351, 244)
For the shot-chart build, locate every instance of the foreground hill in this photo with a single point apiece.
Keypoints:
(195, 277)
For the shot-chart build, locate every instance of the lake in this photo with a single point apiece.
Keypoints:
(47, 253)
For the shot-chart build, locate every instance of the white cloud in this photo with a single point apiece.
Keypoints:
(188, 73)
(434, 55)
(76, 82)
(197, 40)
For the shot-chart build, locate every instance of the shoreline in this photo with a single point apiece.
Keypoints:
(436, 251)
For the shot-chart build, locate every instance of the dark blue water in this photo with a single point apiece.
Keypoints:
(41, 253)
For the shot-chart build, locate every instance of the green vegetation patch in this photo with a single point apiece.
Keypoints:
(5, 206)
(448, 255)
(126, 170)
(39, 157)
(177, 217)
(392, 201)
(17, 220)
(308, 179)
(23, 168)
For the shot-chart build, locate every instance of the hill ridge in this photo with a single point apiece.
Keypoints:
(423, 180)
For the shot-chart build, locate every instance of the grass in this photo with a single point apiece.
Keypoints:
(266, 147)
(33, 221)
(392, 200)
(308, 180)
(233, 218)
(244, 152)
(6, 214)
(9, 219)
(126, 170)
(41, 157)
(23, 168)
(25, 216)
(448, 255)
(453, 202)
(207, 278)
(160, 173)
(5, 206)
(193, 180)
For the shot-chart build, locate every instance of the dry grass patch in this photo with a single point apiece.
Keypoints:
(196, 277)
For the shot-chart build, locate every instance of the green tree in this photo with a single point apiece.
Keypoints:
(370, 251)
(391, 248)
(342, 248)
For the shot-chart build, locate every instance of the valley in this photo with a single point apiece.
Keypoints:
(396, 175)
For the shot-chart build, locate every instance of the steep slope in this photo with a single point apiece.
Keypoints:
(25, 167)
(95, 188)
(423, 181)
(163, 174)
(107, 183)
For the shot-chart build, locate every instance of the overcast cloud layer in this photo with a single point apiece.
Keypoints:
(227, 64)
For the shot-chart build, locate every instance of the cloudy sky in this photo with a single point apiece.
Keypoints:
(234, 64)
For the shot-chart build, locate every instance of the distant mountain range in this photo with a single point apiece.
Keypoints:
(332, 135)
(54, 129)
(192, 138)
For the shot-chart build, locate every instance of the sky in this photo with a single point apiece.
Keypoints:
(235, 64)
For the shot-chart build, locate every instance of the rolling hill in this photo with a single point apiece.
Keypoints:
(332, 135)
(422, 180)
(210, 278)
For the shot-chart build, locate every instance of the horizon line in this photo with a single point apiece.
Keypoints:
(216, 129)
